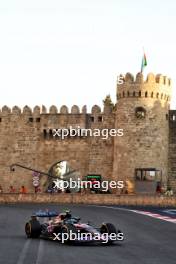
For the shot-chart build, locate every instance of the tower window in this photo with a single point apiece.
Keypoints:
(152, 95)
(139, 93)
(146, 94)
(134, 94)
(50, 133)
(100, 119)
(31, 119)
(157, 95)
(45, 133)
(140, 112)
(92, 118)
(38, 119)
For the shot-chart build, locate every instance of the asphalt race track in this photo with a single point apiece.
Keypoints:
(147, 240)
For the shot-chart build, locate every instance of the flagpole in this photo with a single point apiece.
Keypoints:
(142, 60)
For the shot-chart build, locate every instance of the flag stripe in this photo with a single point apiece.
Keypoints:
(144, 62)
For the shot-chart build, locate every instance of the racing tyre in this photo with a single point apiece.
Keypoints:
(67, 229)
(33, 228)
(108, 228)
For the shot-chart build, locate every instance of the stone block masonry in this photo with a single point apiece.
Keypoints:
(143, 112)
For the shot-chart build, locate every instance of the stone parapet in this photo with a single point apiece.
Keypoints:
(103, 199)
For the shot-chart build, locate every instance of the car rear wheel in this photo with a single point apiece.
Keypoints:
(33, 228)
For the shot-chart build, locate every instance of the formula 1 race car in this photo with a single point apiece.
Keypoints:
(66, 228)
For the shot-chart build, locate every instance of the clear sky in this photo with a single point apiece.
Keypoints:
(71, 51)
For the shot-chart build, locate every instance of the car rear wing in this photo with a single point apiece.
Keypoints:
(45, 213)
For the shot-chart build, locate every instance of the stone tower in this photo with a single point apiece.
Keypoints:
(142, 109)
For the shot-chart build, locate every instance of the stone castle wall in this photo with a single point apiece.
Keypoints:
(26, 138)
(148, 142)
(172, 149)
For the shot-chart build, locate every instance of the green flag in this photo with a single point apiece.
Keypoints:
(144, 62)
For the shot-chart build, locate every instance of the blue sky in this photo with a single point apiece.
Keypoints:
(71, 51)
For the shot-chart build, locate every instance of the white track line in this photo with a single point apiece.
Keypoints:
(21, 259)
(40, 252)
(156, 216)
(110, 207)
(153, 215)
(24, 252)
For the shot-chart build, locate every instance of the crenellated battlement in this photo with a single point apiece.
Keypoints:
(53, 110)
(154, 86)
(151, 79)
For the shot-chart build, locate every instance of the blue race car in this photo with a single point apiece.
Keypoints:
(66, 228)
